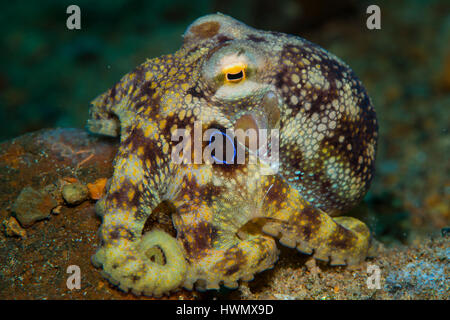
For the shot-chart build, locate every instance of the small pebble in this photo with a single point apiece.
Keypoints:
(312, 266)
(57, 210)
(13, 228)
(280, 296)
(97, 189)
(75, 193)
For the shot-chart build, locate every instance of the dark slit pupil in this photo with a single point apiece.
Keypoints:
(235, 76)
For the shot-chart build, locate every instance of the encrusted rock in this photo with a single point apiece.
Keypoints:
(32, 205)
(13, 228)
(75, 193)
(97, 188)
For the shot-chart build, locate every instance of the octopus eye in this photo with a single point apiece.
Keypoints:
(235, 73)
(235, 76)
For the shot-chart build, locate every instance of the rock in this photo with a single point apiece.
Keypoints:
(13, 228)
(45, 159)
(32, 205)
(75, 193)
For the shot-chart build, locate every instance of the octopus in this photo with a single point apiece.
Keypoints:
(229, 217)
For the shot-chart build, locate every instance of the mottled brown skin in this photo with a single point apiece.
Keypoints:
(227, 215)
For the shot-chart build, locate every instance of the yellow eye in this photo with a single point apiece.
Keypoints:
(234, 73)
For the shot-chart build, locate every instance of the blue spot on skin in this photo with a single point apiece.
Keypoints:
(232, 143)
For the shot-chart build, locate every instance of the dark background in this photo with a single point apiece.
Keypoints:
(49, 74)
